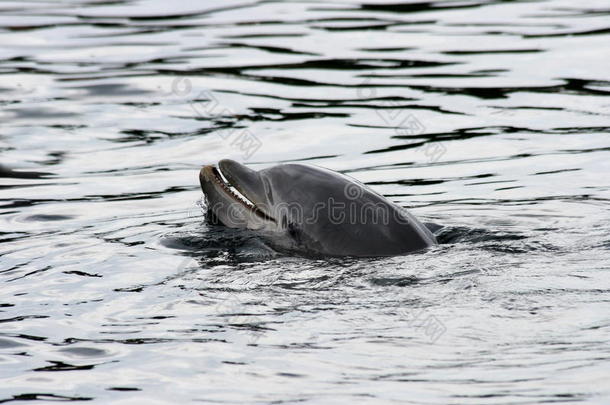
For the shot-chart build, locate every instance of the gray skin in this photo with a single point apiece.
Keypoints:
(311, 210)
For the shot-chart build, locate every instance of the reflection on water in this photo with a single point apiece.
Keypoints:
(489, 117)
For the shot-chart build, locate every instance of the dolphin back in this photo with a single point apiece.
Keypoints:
(331, 214)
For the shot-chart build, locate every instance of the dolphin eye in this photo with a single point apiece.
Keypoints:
(293, 231)
(291, 228)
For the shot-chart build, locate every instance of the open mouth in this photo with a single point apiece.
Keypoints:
(232, 190)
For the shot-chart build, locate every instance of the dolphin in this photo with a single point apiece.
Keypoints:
(311, 210)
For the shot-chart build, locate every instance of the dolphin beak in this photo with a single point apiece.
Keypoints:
(247, 181)
(236, 182)
(205, 174)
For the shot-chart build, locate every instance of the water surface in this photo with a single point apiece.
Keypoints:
(489, 117)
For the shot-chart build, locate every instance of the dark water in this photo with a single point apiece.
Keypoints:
(489, 117)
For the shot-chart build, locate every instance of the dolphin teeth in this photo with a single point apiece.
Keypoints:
(221, 181)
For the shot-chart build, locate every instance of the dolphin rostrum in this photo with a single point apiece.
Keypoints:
(311, 210)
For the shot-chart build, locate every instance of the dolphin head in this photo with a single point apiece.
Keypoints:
(312, 210)
(236, 195)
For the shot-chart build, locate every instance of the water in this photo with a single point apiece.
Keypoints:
(489, 117)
